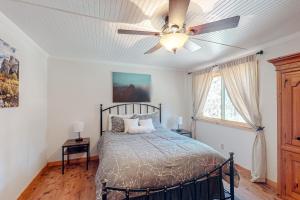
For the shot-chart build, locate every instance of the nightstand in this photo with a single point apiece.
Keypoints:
(183, 132)
(73, 147)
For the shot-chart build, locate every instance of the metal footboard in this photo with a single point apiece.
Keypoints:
(216, 174)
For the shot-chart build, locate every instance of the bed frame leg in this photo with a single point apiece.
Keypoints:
(231, 171)
(160, 112)
(104, 190)
(101, 112)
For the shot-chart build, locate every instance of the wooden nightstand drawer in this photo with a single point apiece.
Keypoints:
(187, 134)
(73, 150)
(183, 132)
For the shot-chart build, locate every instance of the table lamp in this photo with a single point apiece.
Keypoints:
(77, 128)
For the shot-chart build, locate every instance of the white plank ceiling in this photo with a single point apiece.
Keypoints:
(95, 37)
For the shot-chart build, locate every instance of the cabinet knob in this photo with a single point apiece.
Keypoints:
(298, 138)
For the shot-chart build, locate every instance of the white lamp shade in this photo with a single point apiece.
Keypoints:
(78, 126)
(173, 41)
(180, 120)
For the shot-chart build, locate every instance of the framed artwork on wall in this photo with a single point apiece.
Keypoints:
(9, 76)
(131, 87)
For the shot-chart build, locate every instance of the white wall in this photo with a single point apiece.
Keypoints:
(240, 141)
(77, 88)
(23, 129)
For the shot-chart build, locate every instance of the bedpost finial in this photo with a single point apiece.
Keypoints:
(104, 181)
(231, 154)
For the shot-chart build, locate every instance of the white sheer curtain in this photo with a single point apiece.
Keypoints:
(201, 82)
(241, 82)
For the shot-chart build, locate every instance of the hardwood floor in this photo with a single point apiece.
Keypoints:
(79, 184)
(254, 191)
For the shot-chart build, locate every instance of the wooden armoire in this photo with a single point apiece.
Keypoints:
(288, 119)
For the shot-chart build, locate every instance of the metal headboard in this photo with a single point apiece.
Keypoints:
(139, 107)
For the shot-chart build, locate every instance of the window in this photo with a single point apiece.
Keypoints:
(218, 105)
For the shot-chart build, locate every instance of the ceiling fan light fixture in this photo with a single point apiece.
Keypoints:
(174, 28)
(173, 41)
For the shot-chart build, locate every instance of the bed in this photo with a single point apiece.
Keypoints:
(160, 165)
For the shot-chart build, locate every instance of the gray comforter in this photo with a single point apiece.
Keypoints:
(151, 160)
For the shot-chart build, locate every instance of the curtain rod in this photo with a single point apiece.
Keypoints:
(257, 53)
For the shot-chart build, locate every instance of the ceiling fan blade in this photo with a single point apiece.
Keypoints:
(153, 49)
(191, 46)
(222, 24)
(203, 40)
(177, 12)
(135, 32)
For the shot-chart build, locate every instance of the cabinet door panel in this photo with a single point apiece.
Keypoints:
(292, 174)
(291, 109)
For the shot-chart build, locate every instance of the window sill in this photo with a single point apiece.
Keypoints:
(226, 123)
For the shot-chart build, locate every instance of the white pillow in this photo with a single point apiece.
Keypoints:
(139, 129)
(130, 124)
(115, 115)
(147, 123)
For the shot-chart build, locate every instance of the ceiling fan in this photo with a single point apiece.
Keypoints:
(175, 35)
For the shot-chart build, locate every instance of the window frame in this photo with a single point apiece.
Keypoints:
(222, 120)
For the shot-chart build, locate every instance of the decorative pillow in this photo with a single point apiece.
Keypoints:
(117, 124)
(147, 123)
(115, 115)
(154, 116)
(139, 129)
(130, 124)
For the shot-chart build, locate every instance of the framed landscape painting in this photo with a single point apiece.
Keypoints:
(131, 87)
(9, 76)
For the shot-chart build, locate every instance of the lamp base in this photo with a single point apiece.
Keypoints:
(78, 139)
(178, 129)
